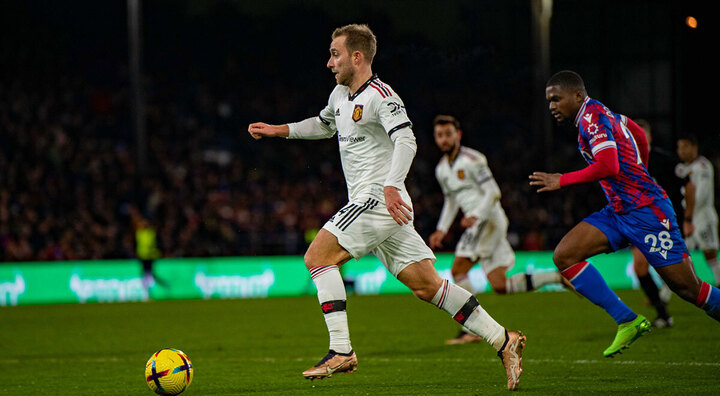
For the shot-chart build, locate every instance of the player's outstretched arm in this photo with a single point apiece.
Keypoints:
(259, 130)
(449, 210)
(606, 165)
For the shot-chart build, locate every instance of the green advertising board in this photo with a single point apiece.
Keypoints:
(249, 277)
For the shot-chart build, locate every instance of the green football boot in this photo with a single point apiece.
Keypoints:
(627, 333)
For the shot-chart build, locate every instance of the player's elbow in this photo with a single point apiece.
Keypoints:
(607, 164)
(494, 192)
(405, 137)
(613, 169)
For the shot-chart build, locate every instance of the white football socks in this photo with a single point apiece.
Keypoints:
(332, 298)
(529, 282)
(466, 310)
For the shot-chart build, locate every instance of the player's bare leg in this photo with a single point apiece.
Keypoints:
(460, 268)
(684, 282)
(580, 243)
(498, 280)
(323, 258)
(425, 283)
(521, 283)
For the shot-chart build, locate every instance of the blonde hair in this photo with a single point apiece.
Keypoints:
(358, 38)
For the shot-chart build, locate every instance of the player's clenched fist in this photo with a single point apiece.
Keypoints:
(259, 130)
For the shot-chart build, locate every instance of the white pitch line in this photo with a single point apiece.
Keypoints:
(626, 362)
(115, 359)
(555, 361)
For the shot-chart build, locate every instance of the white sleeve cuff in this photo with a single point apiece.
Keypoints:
(310, 128)
(602, 146)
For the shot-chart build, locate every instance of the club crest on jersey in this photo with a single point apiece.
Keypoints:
(592, 128)
(665, 223)
(461, 174)
(357, 113)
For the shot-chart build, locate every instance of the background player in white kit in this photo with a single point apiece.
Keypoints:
(700, 224)
(377, 147)
(468, 185)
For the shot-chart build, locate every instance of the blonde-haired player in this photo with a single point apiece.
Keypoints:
(377, 146)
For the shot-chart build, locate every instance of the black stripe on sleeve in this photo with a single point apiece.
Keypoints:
(324, 121)
(399, 127)
(485, 180)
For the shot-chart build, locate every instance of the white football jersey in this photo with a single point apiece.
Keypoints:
(701, 174)
(364, 123)
(466, 183)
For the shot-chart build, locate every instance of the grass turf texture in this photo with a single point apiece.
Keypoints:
(262, 346)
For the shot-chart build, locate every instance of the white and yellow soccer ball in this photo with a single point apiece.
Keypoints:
(168, 372)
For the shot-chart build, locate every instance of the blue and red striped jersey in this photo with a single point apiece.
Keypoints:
(600, 129)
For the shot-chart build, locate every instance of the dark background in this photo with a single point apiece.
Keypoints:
(69, 186)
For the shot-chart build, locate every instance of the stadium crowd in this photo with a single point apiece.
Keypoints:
(69, 180)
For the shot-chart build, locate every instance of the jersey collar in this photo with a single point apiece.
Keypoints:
(362, 87)
(581, 112)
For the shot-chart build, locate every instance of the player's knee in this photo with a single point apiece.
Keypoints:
(640, 267)
(710, 254)
(424, 293)
(310, 261)
(563, 259)
(499, 289)
(458, 273)
(498, 282)
(686, 292)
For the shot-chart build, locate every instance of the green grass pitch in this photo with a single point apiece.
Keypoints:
(260, 346)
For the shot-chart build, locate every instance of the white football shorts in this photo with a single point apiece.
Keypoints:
(705, 236)
(364, 226)
(487, 241)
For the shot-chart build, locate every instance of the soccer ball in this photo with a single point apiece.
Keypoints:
(168, 372)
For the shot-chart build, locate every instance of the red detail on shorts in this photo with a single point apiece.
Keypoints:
(704, 294)
(572, 271)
